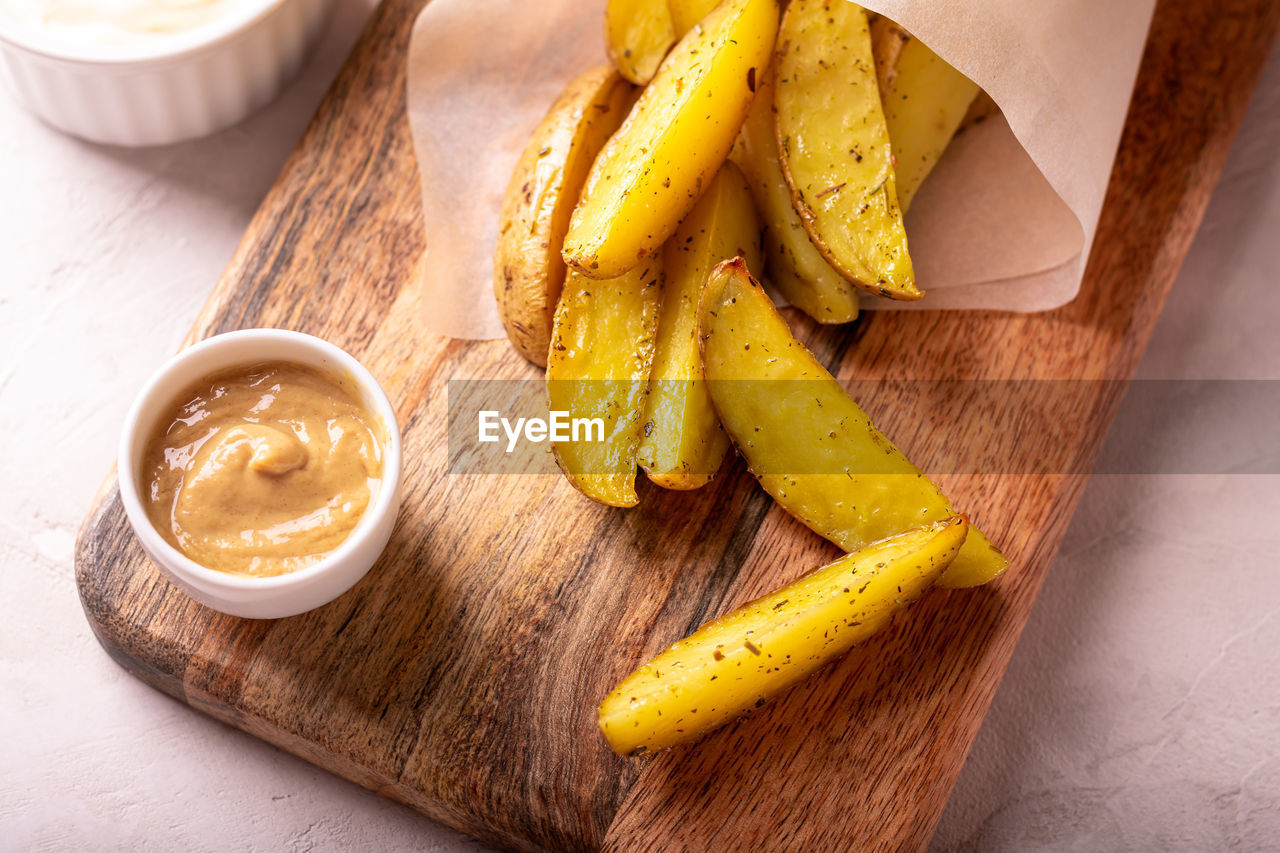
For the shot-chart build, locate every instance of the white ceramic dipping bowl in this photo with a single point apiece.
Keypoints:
(173, 87)
(278, 595)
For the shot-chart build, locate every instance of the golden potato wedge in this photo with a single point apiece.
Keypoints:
(982, 108)
(528, 271)
(795, 266)
(834, 145)
(683, 443)
(731, 665)
(598, 366)
(687, 14)
(806, 441)
(924, 99)
(652, 171)
(638, 34)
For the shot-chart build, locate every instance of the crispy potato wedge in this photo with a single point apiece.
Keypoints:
(834, 145)
(687, 14)
(528, 271)
(887, 41)
(924, 98)
(598, 366)
(638, 34)
(731, 665)
(683, 444)
(806, 441)
(795, 266)
(652, 171)
(982, 108)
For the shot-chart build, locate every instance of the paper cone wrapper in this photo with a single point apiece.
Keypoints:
(1005, 221)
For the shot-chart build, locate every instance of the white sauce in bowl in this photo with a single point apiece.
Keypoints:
(118, 22)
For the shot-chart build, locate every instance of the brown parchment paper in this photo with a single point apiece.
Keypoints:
(1005, 221)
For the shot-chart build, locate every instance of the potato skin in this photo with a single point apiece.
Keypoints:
(807, 442)
(979, 111)
(652, 171)
(528, 271)
(683, 444)
(834, 146)
(736, 662)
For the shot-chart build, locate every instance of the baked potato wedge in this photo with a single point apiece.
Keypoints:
(687, 14)
(834, 145)
(528, 271)
(924, 99)
(736, 662)
(598, 366)
(982, 108)
(650, 174)
(638, 34)
(683, 444)
(795, 266)
(805, 440)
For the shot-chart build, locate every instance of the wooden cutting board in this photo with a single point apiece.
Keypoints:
(461, 675)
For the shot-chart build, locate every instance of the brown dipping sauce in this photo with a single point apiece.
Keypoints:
(262, 469)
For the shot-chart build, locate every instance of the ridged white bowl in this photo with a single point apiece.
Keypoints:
(182, 86)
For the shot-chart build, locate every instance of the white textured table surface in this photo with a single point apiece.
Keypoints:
(1141, 710)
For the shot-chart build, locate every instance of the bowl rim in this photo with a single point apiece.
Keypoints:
(167, 48)
(387, 501)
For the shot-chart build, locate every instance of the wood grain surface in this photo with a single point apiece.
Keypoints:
(461, 675)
